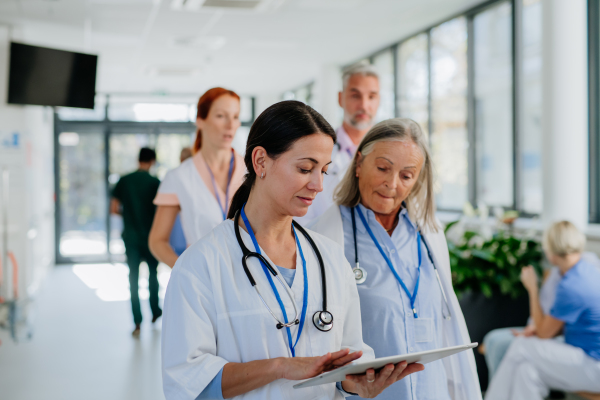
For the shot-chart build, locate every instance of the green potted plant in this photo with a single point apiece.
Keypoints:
(491, 266)
(486, 264)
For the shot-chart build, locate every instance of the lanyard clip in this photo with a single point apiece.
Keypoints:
(414, 310)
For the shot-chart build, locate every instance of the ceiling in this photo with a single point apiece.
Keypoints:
(160, 46)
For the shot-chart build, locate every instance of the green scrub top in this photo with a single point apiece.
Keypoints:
(136, 192)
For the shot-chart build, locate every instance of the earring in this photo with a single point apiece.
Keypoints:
(262, 175)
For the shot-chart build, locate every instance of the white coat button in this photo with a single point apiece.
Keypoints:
(393, 251)
(412, 349)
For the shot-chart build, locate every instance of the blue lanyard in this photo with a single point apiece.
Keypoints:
(412, 297)
(212, 177)
(266, 271)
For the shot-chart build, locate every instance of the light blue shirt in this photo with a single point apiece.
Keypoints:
(577, 304)
(213, 391)
(177, 238)
(287, 275)
(388, 324)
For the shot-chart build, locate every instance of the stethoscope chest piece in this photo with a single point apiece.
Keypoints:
(323, 321)
(360, 275)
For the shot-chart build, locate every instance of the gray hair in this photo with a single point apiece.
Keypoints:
(361, 68)
(420, 202)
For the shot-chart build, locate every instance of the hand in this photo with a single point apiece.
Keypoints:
(529, 279)
(297, 368)
(528, 331)
(371, 384)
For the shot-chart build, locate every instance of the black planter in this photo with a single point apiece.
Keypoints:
(483, 315)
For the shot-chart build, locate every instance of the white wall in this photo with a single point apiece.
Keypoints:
(29, 160)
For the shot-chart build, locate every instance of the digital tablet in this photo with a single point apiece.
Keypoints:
(359, 367)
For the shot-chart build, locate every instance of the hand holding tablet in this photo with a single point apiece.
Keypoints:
(360, 367)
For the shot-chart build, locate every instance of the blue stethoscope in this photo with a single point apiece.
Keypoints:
(360, 275)
(229, 175)
(323, 320)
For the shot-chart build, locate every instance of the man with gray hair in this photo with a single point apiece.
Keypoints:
(359, 99)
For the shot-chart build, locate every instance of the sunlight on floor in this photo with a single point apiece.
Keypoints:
(111, 281)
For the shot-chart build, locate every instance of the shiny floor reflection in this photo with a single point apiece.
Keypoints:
(82, 346)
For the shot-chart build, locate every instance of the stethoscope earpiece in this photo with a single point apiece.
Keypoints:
(323, 321)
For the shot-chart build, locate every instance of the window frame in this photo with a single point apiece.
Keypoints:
(517, 76)
(594, 107)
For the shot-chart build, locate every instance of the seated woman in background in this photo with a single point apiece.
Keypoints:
(532, 366)
(496, 342)
(385, 220)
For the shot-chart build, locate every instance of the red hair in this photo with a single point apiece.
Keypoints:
(204, 105)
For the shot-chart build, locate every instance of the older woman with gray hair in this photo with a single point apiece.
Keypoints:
(385, 220)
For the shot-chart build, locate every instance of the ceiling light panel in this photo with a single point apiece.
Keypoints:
(211, 43)
(232, 5)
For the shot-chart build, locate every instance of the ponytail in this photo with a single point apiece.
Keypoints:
(198, 141)
(242, 194)
(276, 129)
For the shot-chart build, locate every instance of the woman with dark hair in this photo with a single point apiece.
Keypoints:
(200, 187)
(260, 303)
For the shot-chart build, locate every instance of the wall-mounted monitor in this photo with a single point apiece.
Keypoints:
(50, 77)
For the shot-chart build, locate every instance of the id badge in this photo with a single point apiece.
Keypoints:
(423, 330)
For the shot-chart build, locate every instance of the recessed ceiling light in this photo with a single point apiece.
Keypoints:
(242, 5)
(211, 43)
(173, 71)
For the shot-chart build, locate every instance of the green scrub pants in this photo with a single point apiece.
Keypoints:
(135, 253)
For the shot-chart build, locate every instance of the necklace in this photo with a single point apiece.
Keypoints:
(393, 226)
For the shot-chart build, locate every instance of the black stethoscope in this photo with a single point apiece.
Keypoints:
(323, 320)
(360, 275)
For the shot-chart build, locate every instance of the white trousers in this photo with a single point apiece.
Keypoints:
(533, 366)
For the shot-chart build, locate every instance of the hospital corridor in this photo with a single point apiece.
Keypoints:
(77, 352)
(300, 199)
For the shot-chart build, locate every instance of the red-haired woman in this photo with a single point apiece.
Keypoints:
(202, 186)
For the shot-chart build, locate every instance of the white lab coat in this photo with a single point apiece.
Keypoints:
(340, 160)
(463, 382)
(212, 315)
(200, 211)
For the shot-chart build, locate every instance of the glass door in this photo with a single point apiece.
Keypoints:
(124, 149)
(81, 195)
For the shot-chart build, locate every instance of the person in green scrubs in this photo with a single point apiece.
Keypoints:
(132, 198)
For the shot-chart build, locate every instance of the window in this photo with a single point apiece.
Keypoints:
(413, 80)
(458, 81)
(302, 93)
(493, 105)
(449, 139)
(530, 140)
(384, 62)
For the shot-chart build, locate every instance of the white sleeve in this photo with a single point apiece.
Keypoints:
(189, 346)
(352, 338)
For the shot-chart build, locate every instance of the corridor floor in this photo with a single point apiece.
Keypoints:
(81, 345)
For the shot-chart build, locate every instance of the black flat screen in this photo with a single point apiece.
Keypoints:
(50, 77)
